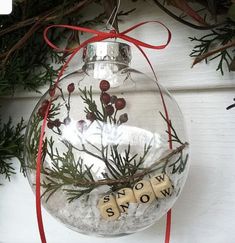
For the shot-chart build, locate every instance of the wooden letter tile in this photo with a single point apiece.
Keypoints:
(161, 185)
(143, 192)
(124, 197)
(108, 207)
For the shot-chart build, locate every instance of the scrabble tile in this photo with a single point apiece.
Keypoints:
(124, 197)
(143, 192)
(108, 207)
(161, 185)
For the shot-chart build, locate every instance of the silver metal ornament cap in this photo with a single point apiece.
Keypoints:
(107, 51)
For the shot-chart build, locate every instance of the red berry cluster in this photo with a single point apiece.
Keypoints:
(112, 102)
(56, 123)
(42, 111)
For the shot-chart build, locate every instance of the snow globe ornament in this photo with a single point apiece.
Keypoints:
(114, 153)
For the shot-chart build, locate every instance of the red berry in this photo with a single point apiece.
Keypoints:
(70, 87)
(109, 110)
(52, 91)
(105, 98)
(50, 124)
(113, 99)
(120, 103)
(104, 85)
(81, 125)
(45, 103)
(67, 120)
(90, 116)
(57, 123)
(123, 118)
(42, 111)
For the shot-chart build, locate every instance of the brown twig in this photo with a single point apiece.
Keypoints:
(165, 159)
(212, 52)
(20, 43)
(39, 21)
(174, 16)
(49, 18)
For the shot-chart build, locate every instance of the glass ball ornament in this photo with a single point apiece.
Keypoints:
(107, 165)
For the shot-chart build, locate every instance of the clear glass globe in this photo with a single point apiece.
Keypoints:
(107, 168)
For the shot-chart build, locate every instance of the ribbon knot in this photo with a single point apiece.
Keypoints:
(100, 36)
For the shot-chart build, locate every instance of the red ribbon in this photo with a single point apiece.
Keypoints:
(98, 36)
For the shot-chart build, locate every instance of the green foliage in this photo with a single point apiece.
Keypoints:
(11, 145)
(25, 58)
(62, 170)
(28, 65)
(218, 37)
(66, 171)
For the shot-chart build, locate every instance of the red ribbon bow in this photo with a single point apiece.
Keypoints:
(98, 36)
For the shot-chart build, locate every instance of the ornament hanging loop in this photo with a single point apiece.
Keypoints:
(109, 26)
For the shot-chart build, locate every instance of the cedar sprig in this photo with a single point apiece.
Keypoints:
(34, 131)
(173, 134)
(87, 96)
(128, 164)
(220, 37)
(197, 15)
(76, 179)
(180, 164)
(32, 143)
(66, 170)
(11, 145)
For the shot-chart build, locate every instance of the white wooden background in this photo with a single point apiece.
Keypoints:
(205, 212)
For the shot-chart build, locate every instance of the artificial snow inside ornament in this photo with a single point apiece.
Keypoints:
(114, 154)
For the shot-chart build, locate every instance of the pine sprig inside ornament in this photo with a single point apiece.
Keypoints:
(74, 177)
(11, 145)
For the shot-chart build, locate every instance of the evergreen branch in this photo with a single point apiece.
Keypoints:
(20, 42)
(139, 175)
(27, 58)
(173, 134)
(46, 17)
(74, 194)
(223, 39)
(87, 97)
(11, 145)
(72, 172)
(6, 168)
(181, 20)
(180, 164)
(212, 52)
